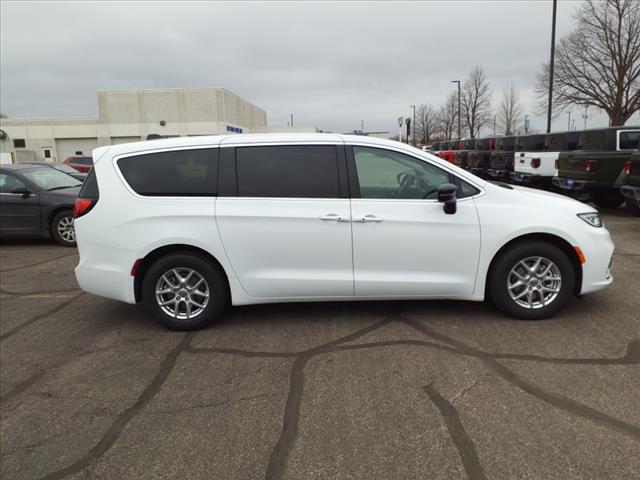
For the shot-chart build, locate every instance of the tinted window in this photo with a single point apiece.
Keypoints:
(82, 160)
(505, 143)
(630, 140)
(309, 171)
(9, 182)
(176, 173)
(594, 140)
(19, 143)
(556, 143)
(90, 186)
(388, 174)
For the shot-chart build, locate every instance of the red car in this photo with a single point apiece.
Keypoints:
(80, 163)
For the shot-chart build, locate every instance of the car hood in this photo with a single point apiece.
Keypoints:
(539, 198)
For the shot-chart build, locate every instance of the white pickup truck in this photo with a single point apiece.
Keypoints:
(535, 160)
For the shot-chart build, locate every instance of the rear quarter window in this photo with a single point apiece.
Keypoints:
(176, 173)
(629, 140)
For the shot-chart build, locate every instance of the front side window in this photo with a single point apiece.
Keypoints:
(177, 173)
(294, 171)
(389, 174)
(630, 140)
(50, 179)
(9, 182)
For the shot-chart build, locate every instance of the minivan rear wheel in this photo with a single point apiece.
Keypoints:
(532, 281)
(185, 291)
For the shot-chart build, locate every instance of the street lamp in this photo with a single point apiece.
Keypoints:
(553, 52)
(414, 124)
(458, 82)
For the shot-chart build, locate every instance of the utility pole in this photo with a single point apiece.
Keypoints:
(553, 53)
(459, 117)
(414, 124)
(569, 121)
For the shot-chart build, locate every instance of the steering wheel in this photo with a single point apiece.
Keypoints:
(406, 181)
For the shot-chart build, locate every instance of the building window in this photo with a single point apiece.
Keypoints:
(19, 143)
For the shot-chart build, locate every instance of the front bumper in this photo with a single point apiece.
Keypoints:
(598, 248)
(630, 191)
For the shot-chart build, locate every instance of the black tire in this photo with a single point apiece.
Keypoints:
(500, 275)
(213, 276)
(607, 198)
(633, 205)
(61, 231)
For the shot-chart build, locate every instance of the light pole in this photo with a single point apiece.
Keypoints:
(362, 127)
(585, 116)
(494, 126)
(526, 124)
(459, 118)
(569, 121)
(553, 52)
(414, 124)
(292, 119)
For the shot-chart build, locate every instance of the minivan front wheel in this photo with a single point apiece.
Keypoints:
(532, 281)
(185, 291)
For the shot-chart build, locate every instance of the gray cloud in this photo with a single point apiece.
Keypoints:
(331, 64)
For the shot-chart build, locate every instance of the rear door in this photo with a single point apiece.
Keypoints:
(283, 214)
(403, 242)
(19, 215)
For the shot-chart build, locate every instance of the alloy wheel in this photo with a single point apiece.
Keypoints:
(182, 293)
(534, 282)
(66, 229)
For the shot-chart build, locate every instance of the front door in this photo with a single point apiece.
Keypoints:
(287, 230)
(19, 214)
(403, 242)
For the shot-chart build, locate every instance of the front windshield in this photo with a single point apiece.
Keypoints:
(50, 179)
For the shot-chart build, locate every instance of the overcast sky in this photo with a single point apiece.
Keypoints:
(331, 64)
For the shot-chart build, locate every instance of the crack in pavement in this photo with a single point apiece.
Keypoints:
(29, 265)
(40, 316)
(4, 291)
(563, 403)
(113, 432)
(464, 444)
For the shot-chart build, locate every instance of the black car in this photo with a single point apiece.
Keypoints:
(63, 168)
(37, 201)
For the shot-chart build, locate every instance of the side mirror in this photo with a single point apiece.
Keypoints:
(447, 196)
(24, 191)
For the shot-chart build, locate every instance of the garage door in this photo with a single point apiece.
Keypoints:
(118, 140)
(68, 147)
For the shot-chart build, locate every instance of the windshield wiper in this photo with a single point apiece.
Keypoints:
(59, 188)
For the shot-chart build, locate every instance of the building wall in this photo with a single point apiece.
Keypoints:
(126, 116)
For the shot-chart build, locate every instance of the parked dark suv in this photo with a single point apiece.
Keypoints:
(461, 157)
(597, 166)
(631, 189)
(478, 160)
(501, 162)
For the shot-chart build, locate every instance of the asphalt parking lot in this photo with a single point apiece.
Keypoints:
(93, 388)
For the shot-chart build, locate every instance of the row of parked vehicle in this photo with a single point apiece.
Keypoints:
(601, 165)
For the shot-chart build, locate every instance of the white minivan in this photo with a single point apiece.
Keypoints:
(189, 225)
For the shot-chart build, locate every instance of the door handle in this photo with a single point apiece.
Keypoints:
(333, 217)
(369, 219)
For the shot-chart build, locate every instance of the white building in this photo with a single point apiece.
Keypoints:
(128, 116)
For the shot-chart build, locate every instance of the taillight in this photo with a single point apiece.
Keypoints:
(590, 165)
(82, 206)
(535, 162)
(627, 168)
(557, 164)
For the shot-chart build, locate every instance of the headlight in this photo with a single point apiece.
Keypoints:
(592, 218)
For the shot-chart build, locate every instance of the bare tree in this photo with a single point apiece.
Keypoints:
(476, 101)
(509, 111)
(425, 123)
(598, 64)
(447, 117)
